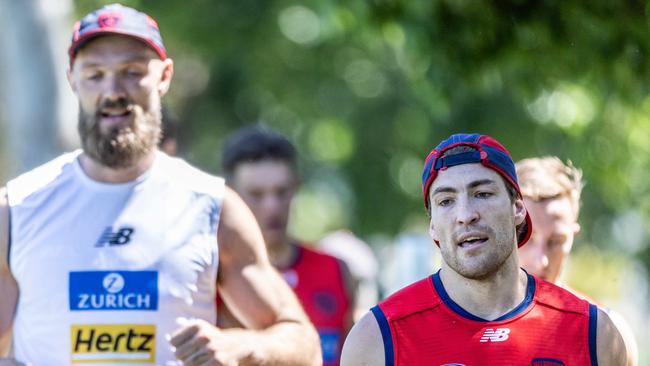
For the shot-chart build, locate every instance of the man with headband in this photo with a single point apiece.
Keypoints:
(112, 254)
(480, 308)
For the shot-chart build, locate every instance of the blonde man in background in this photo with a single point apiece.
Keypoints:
(551, 191)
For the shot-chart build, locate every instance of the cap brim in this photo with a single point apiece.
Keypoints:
(83, 40)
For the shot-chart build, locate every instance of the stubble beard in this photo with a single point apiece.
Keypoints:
(121, 146)
(484, 266)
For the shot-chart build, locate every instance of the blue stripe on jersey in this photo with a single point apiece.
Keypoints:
(528, 299)
(530, 294)
(385, 335)
(593, 324)
(440, 288)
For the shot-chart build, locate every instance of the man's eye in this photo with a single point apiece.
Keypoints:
(257, 196)
(444, 202)
(484, 194)
(132, 73)
(94, 76)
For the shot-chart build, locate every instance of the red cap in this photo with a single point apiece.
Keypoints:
(116, 19)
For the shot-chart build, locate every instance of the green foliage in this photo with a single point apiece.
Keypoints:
(365, 89)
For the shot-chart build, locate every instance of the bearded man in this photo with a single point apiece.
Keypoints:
(113, 254)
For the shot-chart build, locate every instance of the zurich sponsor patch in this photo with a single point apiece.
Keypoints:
(113, 290)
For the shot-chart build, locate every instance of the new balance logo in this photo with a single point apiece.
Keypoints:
(120, 237)
(546, 362)
(495, 335)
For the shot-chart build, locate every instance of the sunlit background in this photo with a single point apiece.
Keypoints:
(366, 88)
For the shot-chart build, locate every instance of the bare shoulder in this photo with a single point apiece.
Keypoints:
(610, 346)
(4, 230)
(238, 234)
(364, 344)
(248, 284)
(628, 337)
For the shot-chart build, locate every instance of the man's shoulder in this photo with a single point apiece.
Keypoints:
(308, 253)
(310, 262)
(365, 344)
(40, 177)
(580, 294)
(52, 167)
(414, 298)
(558, 298)
(184, 174)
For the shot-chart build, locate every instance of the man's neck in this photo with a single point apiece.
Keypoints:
(491, 297)
(101, 173)
(283, 254)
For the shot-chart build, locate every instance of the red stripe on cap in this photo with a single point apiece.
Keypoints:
(489, 141)
(109, 30)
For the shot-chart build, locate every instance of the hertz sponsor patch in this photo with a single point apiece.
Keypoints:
(113, 290)
(115, 343)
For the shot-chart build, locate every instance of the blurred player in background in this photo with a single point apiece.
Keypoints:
(551, 191)
(361, 261)
(261, 166)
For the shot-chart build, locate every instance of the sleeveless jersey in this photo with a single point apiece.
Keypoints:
(317, 280)
(106, 271)
(581, 295)
(421, 325)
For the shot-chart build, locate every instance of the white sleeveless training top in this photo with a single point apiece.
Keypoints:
(107, 271)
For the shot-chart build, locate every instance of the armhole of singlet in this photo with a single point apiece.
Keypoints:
(593, 325)
(385, 334)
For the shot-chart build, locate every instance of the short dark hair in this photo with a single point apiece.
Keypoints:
(256, 143)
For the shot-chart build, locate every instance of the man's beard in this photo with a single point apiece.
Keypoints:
(121, 146)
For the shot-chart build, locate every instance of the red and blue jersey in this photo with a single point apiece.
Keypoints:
(318, 282)
(422, 325)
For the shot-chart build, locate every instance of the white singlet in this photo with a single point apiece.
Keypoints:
(106, 271)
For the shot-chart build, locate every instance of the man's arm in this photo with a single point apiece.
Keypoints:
(628, 337)
(278, 330)
(609, 342)
(364, 345)
(8, 286)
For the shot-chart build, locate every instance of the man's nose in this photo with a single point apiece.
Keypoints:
(271, 204)
(466, 212)
(114, 89)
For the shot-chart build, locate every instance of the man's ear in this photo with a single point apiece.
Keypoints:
(520, 211)
(166, 76)
(576, 228)
(71, 81)
(433, 233)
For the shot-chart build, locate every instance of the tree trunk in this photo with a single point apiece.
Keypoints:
(32, 74)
